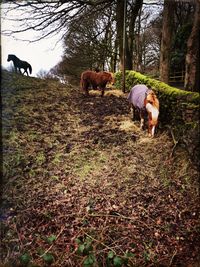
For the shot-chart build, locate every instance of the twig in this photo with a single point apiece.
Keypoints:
(174, 254)
(62, 229)
(100, 242)
(19, 237)
(118, 215)
(174, 141)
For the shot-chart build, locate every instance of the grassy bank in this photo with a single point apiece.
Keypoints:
(83, 186)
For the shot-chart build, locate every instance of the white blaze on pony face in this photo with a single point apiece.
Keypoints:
(153, 119)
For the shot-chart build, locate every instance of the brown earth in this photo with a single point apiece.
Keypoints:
(83, 186)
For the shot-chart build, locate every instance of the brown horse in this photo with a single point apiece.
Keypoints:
(145, 101)
(96, 79)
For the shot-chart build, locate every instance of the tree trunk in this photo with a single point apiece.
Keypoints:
(129, 48)
(115, 58)
(139, 45)
(192, 68)
(130, 36)
(167, 32)
(119, 25)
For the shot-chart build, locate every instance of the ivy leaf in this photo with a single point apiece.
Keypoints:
(89, 261)
(48, 258)
(117, 261)
(88, 247)
(25, 258)
(129, 255)
(110, 254)
(78, 241)
(51, 239)
(81, 249)
(146, 256)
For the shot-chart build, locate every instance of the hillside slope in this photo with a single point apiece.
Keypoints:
(83, 186)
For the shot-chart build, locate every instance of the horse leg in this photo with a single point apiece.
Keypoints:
(142, 123)
(25, 71)
(102, 92)
(133, 110)
(86, 88)
(102, 88)
(142, 116)
(94, 86)
(151, 129)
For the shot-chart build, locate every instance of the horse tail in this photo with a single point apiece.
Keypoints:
(30, 68)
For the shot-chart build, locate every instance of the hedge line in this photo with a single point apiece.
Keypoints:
(173, 101)
(179, 109)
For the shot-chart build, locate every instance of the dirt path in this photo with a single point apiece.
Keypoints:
(85, 187)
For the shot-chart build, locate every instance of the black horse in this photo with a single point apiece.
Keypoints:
(19, 64)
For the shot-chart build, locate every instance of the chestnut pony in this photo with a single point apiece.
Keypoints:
(146, 102)
(96, 79)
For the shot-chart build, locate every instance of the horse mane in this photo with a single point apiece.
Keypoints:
(13, 56)
(152, 107)
(152, 99)
(108, 73)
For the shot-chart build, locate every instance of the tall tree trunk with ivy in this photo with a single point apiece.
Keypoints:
(131, 18)
(119, 25)
(135, 9)
(138, 44)
(192, 68)
(167, 34)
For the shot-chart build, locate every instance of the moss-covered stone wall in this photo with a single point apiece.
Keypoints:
(178, 108)
(176, 105)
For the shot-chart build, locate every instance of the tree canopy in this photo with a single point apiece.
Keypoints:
(93, 33)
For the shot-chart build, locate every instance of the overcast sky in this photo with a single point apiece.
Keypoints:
(42, 55)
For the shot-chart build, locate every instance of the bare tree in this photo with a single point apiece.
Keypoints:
(167, 32)
(119, 23)
(103, 41)
(192, 75)
(88, 45)
(49, 17)
(135, 11)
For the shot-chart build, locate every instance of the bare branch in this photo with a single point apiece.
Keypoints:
(46, 17)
